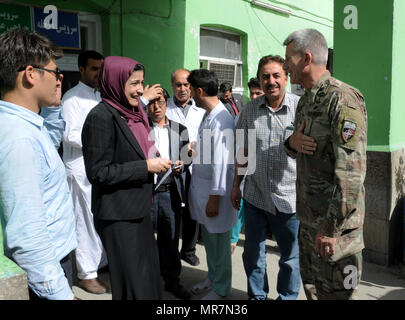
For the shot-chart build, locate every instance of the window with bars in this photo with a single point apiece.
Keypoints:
(225, 72)
(220, 51)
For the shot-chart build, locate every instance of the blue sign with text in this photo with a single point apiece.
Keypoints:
(64, 33)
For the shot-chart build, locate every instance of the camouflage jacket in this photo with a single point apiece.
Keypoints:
(330, 190)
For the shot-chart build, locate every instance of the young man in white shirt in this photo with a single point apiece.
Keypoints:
(76, 104)
(211, 184)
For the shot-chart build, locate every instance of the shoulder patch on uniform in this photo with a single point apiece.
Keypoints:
(349, 127)
(348, 130)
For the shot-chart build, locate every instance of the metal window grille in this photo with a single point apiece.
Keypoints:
(224, 72)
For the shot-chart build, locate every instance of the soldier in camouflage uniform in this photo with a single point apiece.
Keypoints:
(329, 144)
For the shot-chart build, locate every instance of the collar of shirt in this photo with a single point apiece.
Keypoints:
(311, 92)
(177, 103)
(23, 113)
(88, 88)
(285, 103)
(156, 125)
(218, 108)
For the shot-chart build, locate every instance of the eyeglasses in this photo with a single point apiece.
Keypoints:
(160, 103)
(57, 72)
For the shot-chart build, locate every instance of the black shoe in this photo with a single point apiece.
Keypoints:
(104, 269)
(190, 259)
(178, 291)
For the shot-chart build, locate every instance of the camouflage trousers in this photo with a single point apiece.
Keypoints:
(325, 279)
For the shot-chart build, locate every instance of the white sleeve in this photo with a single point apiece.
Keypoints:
(222, 157)
(73, 129)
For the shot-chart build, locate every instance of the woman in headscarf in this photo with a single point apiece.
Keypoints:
(120, 161)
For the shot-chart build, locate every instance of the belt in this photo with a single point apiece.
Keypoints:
(163, 188)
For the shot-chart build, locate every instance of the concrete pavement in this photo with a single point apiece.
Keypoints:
(377, 282)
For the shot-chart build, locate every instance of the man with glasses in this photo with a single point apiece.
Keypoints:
(36, 209)
(53, 120)
(169, 197)
(76, 104)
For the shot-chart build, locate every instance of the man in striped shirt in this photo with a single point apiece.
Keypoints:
(269, 191)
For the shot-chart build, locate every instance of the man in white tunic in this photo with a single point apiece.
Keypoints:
(182, 109)
(211, 184)
(76, 104)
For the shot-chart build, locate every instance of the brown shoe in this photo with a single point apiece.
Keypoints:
(92, 286)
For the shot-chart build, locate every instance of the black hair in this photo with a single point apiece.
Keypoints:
(84, 57)
(270, 58)
(254, 83)
(20, 48)
(225, 86)
(166, 94)
(140, 67)
(204, 79)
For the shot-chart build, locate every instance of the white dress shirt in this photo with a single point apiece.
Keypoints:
(192, 121)
(161, 137)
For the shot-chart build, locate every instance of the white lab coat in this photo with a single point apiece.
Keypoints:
(213, 171)
(76, 104)
(191, 122)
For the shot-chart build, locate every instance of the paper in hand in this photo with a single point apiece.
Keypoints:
(167, 174)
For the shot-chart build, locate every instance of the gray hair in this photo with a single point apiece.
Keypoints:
(311, 40)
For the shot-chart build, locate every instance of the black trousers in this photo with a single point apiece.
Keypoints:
(165, 213)
(190, 227)
(132, 258)
(66, 264)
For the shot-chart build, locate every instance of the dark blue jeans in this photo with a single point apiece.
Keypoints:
(166, 214)
(285, 229)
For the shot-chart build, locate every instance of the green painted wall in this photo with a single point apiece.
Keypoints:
(397, 132)
(164, 35)
(371, 59)
(7, 267)
(364, 58)
(153, 33)
(263, 31)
